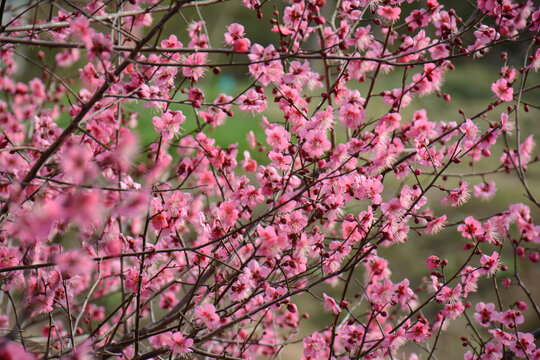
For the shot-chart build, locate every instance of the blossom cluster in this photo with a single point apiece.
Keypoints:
(110, 247)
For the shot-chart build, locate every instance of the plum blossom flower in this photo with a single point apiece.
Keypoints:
(235, 37)
(490, 264)
(228, 213)
(449, 295)
(381, 292)
(420, 331)
(469, 129)
(277, 137)
(510, 318)
(458, 196)
(389, 13)
(331, 305)
(77, 164)
(252, 101)
(436, 225)
(179, 344)
(503, 90)
(168, 124)
(316, 143)
(492, 352)
(195, 68)
(315, 346)
(485, 190)
(470, 228)
(266, 64)
(485, 313)
(207, 314)
(524, 345)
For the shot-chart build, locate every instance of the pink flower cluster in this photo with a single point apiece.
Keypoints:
(130, 227)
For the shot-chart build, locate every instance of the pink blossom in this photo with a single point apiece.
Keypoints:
(228, 213)
(331, 305)
(99, 46)
(389, 13)
(316, 143)
(485, 313)
(74, 263)
(492, 352)
(485, 190)
(458, 196)
(10, 350)
(449, 295)
(315, 346)
(77, 164)
(470, 228)
(208, 316)
(194, 68)
(235, 37)
(172, 42)
(469, 129)
(490, 264)
(179, 344)
(503, 90)
(168, 124)
(252, 101)
(277, 137)
(510, 318)
(381, 292)
(352, 115)
(524, 344)
(436, 225)
(268, 71)
(420, 331)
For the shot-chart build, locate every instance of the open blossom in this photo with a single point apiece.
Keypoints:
(207, 314)
(485, 313)
(277, 137)
(449, 295)
(267, 65)
(436, 225)
(470, 228)
(331, 305)
(503, 90)
(179, 344)
(420, 331)
(524, 345)
(485, 190)
(469, 129)
(228, 213)
(316, 143)
(510, 318)
(389, 13)
(252, 101)
(492, 352)
(490, 264)
(458, 196)
(194, 68)
(168, 124)
(235, 37)
(315, 346)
